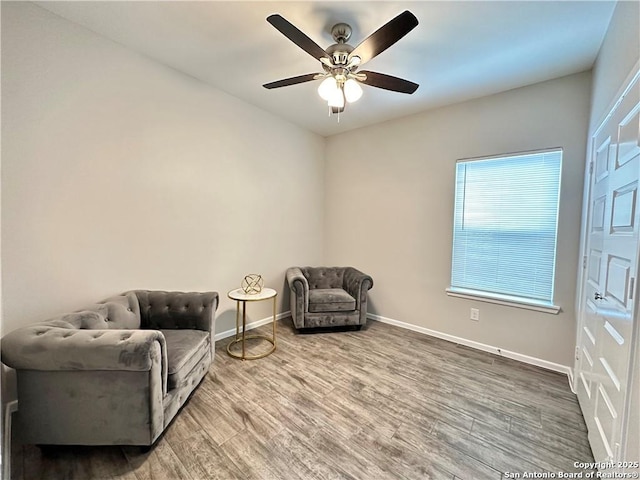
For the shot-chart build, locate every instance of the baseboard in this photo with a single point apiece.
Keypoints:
(250, 326)
(570, 375)
(556, 367)
(9, 409)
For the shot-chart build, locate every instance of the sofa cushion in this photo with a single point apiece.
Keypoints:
(121, 311)
(84, 320)
(330, 300)
(185, 348)
(323, 277)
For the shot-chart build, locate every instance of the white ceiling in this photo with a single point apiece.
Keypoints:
(460, 50)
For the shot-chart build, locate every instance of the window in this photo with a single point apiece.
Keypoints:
(504, 228)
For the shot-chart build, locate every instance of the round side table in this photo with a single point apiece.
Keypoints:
(242, 298)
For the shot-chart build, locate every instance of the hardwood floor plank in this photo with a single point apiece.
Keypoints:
(572, 441)
(258, 460)
(203, 459)
(475, 408)
(344, 454)
(182, 427)
(415, 406)
(398, 461)
(341, 425)
(401, 409)
(306, 459)
(159, 463)
(539, 395)
(241, 413)
(514, 409)
(448, 458)
(217, 425)
(297, 419)
(361, 414)
(554, 419)
(549, 457)
(495, 457)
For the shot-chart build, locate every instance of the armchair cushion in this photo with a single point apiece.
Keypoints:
(330, 300)
(323, 277)
(185, 349)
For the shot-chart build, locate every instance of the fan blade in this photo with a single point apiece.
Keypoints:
(296, 36)
(385, 36)
(388, 82)
(291, 81)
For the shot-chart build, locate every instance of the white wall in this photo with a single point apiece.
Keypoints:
(619, 53)
(389, 209)
(120, 173)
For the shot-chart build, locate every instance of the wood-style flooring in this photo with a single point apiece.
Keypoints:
(380, 403)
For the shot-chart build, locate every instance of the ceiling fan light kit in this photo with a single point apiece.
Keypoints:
(340, 61)
(352, 91)
(328, 88)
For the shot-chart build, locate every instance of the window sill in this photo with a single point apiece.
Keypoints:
(504, 300)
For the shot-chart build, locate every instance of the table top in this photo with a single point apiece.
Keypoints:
(265, 293)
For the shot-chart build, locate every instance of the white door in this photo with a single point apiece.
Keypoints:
(606, 330)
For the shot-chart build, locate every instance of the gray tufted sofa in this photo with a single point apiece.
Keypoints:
(114, 373)
(328, 296)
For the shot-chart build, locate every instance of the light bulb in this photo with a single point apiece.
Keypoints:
(337, 99)
(327, 88)
(352, 91)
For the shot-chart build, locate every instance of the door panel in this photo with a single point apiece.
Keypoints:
(618, 275)
(624, 202)
(628, 138)
(605, 420)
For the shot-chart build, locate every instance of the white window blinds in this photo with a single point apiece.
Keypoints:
(505, 225)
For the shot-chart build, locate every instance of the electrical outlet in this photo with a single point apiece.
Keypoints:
(475, 315)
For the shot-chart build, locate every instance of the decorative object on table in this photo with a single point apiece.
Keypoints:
(328, 296)
(252, 284)
(241, 299)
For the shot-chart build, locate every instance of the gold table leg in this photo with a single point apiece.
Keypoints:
(242, 338)
(274, 321)
(237, 320)
(244, 328)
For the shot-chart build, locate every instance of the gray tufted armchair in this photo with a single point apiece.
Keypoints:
(114, 373)
(328, 296)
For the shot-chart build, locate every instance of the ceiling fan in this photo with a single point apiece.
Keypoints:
(340, 61)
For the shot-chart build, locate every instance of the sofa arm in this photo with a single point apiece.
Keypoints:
(357, 284)
(51, 348)
(175, 310)
(299, 285)
(298, 295)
